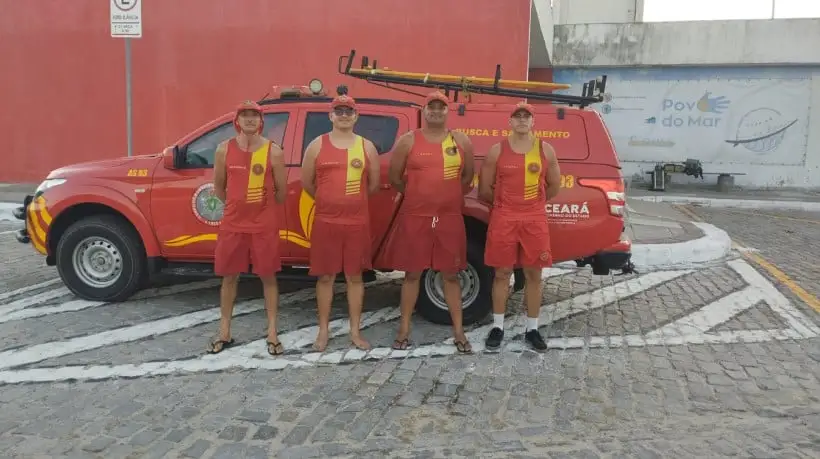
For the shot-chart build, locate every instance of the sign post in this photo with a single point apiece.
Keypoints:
(126, 23)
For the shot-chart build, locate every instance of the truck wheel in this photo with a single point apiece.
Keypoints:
(476, 291)
(101, 258)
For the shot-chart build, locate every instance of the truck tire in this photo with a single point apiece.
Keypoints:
(101, 258)
(476, 291)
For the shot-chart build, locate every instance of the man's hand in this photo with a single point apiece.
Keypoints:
(398, 160)
(309, 166)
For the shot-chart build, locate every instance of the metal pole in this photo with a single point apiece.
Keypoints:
(773, 2)
(128, 94)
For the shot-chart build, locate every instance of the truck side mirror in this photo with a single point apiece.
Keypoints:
(172, 158)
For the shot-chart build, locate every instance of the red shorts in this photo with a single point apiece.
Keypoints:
(518, 243)
(235, 252)
(420, 243)
(337, 247)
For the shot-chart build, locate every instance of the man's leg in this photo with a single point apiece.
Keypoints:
(452, 295)
(324, 299)
(535, 248)
(532, 298)
(409, 296)
(231, 258)
(356, 259)
(325, 263)
(355, 303)
(266, 263)
(449, 258)
(501, 252)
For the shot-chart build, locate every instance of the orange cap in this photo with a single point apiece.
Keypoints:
(436, 95)
(343, 101)
(523, 106)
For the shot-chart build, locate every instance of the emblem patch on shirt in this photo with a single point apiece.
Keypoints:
(257, 169)
(544, 256)
(451, 151)
(533, 167)
(357, 163)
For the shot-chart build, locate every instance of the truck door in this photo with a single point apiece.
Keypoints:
(185, 213)
(382, 124)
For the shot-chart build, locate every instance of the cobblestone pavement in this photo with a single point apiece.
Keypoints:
(715, 361)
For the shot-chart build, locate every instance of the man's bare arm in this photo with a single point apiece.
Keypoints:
(553, 185)
(309, 166)
(280, 173)
(374, 168)
(486, 180)
(468, 172)
(220, 172)
(398, 160)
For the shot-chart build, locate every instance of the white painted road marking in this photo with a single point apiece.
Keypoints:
(699, 322)
(20, 291)
(40, 352)
(79, 305)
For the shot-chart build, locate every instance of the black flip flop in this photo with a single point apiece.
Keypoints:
(222, 345)
(277, 345)
(402, 344)
(463, 347)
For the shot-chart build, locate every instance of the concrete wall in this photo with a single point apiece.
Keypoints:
(766, 42)
(764, 122)
(597, 11)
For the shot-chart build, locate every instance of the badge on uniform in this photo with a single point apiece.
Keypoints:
(533, 167)
(451, 151)
(258, 169)
(357, 163)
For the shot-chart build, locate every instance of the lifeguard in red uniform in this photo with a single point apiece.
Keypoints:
(518, 177)
(340, 170)
(433, 167)
(250, 179)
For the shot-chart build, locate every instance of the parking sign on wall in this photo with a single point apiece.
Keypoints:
(126, 18)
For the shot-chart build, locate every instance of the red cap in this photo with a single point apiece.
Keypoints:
(436, 95)
(343, 101)
(523, 106)
(248, 105)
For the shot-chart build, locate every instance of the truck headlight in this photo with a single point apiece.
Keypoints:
(48, 183)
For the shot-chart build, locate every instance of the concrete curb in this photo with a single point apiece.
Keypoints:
(713, 246)
(806, 206)
(5, 212)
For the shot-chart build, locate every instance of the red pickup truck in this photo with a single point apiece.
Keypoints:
(110, 225)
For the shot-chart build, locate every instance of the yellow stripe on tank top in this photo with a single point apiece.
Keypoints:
(532, 179)
(354, 174)
(452, 163)
(256, 182)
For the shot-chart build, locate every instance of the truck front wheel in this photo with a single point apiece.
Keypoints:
(101, 258)
(476, 291)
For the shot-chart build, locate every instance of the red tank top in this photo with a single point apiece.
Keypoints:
(341, 183)
(433, 171)
(520, 181)
(250, 205)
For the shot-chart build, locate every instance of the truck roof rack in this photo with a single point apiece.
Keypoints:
(592, 92)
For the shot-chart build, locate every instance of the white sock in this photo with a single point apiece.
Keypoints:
(498, 321)
(532, 323)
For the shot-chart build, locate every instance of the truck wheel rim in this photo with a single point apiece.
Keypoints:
(97, 262)
(470, 286)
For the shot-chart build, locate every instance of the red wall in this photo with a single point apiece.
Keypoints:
(62, 89)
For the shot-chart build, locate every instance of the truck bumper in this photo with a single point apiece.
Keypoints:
(615, 257)
(20, 214)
